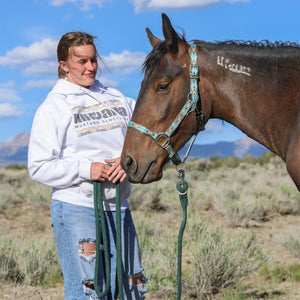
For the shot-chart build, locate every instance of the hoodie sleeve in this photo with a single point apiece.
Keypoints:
(45, 162)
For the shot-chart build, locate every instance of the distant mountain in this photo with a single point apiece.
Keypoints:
(15, 151)
(239, 148)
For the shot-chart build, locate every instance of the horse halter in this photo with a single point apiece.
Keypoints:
(163, 139)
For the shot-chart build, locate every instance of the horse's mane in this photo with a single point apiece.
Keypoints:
(251, 47)
(239, 46)
(264, 44)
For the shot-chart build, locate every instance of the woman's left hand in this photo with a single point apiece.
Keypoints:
(115, 173)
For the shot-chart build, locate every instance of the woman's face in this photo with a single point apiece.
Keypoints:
(81, 66)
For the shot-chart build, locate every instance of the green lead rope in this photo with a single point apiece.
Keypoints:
(119, 243)
(181, 187)
(99, 214)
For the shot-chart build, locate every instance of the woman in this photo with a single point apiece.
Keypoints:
(76, 138)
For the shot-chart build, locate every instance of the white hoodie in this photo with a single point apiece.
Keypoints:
(72, 128)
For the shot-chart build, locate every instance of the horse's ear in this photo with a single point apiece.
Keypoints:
(152, 38)
(170, 34)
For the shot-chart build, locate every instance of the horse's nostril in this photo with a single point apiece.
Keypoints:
(129, 164)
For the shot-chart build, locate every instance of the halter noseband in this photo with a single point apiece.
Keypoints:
(163, 139)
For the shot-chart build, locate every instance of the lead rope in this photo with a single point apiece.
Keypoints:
(99, 215)
(181, 187)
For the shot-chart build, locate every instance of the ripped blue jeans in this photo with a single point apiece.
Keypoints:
(75, 233)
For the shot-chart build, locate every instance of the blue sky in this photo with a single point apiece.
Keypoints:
(31, 29)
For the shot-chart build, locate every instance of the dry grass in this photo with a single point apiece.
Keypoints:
(240, 216)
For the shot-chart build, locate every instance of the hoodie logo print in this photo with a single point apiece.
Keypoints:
(100, 117)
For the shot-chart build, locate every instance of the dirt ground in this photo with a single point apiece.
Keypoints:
(268, 235)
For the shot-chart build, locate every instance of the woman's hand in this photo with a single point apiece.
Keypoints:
(115, 172)
(99, 171)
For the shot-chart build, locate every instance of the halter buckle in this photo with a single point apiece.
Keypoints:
(166, 142)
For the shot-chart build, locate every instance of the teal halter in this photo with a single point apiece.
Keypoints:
(163, 139)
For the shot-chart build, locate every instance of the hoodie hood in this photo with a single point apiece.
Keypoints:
(65, 87)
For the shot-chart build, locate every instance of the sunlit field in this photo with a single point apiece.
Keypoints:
(242, 239)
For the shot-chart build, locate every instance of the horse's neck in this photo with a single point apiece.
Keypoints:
(241, 98)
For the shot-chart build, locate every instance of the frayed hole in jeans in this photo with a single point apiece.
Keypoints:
(87, 248)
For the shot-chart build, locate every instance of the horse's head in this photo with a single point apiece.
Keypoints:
(164, 91)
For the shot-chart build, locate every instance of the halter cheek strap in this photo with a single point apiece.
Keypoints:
(163, 139)
(194, 75)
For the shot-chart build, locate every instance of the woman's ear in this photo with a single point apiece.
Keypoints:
(63, 65)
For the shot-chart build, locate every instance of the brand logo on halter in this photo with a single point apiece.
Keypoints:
(233, 67)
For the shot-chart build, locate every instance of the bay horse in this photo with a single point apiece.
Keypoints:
(254, 86)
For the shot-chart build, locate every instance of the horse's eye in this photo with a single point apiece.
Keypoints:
(162, 87)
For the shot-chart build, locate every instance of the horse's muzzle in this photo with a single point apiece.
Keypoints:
(145, 172)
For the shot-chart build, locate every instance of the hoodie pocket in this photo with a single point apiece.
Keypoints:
(87, 188)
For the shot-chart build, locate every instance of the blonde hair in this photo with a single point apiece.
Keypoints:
(68, 41)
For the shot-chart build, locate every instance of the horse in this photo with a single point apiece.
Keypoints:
(253, 85)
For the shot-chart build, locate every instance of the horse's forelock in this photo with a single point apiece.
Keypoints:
(154, 57)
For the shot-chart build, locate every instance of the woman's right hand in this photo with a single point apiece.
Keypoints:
(99, 171)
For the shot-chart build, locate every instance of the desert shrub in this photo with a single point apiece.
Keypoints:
(249, 159)
(198, 169)
(156, 196)
(246, 192)
(15, 167)
(291, 241)
(266, 158)
(293, 245)
(216, 161)
(159, 257)
(16, 187)
(143, 198)
(221, 261)
(217, 262)
(231, 161)
(29, 261)
(276, 161)
(7, 260)
(200, 165)
(279, 273)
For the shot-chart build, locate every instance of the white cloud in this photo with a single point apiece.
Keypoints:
(82, 4)
(20, 56)
(39, 59)
(41, 68)
(125, 62)
(9, 94)
(10, 84)
(146, 5)
(39, 84)
(8, 110)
